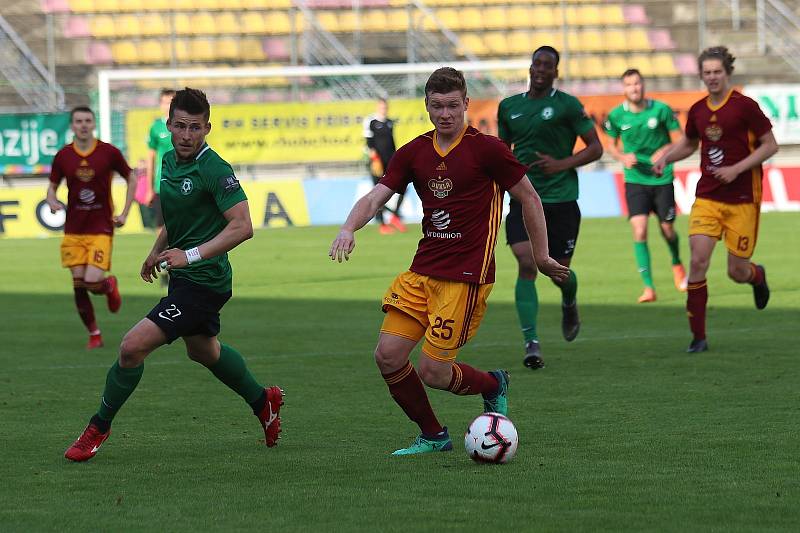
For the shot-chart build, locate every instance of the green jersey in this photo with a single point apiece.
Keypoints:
(550, 126)
(159, 140)
(194, 195)
(642, 134)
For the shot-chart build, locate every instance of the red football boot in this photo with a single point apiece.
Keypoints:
(395, 221)
(269, 418)
(95, 341)
(87, 444)
(113, 297)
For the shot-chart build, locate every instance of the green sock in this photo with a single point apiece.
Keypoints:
(120, 384)
(232, 371)
(527, 301)
(569, 290)
(673, 249)
(642, 253)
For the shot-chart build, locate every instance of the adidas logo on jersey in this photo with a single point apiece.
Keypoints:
(441, 166)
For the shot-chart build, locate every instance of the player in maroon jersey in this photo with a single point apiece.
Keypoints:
(460, 175)
(735, 138)
(88, 165)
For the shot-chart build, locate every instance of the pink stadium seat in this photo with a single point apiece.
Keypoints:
(635, 14)
(76, 26)
(660, 39)
(98, 53)
(276, 49)
(55, 6)
(686, 64)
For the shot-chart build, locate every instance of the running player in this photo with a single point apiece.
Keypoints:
(646, 128)
(542, 126)
(460, 176)
(734, 138)
(206, 215)
(379, 134)
(88, 165)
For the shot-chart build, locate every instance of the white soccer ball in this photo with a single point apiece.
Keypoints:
(491, 438)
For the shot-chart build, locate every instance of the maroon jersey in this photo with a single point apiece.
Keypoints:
(462, 201)
(728, 133)
(89, 204)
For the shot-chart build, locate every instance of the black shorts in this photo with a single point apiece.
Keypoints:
(563, 222)
(644, 199)
(188, 309)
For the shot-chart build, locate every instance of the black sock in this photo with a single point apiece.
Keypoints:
(102, 425)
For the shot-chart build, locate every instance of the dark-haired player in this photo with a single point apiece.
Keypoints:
(460, 176)
(734, 138)
(542, 126)
(379, 134)
(88, 165)
(205, 216)
(646, 128)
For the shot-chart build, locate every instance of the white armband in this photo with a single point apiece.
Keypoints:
(193, 255)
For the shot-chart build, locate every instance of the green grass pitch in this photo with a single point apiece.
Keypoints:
(621, 431)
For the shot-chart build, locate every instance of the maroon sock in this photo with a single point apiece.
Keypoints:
(696, 299)
(467, 380)
(408, 391)
(99, 287)
(756, 276)
(84, 305)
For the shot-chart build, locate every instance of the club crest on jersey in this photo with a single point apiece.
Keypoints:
(84, 172)
(547, 113)
(440, 186)
(652, 122)
(714, 132)
(186, 187)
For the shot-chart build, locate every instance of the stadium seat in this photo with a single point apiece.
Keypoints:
(495, 18)
(616, 41)
(590, 67)
(348, 21)
(496, 43)
(55, 6)
(450, 18)
(275, 22)
(102, 26)
(591, 41)
(82, 6)
(396, 19)
(635, 14)
(328, 20)
(182, 23)
(642, 63)
(637, 40)
(76, 26)
(154, 51)
(588, 16)
(154, 24)
(612, 15)
(472, 42)
(228, 49)
(124, 52)
(471, 19)
(519, 16)
(251, 50)
(542, 17)
(276, 48)
(202, 49)
(519, 42)
(255, 23)
(546, 38)
(227, 23)
(375, 20)
(128, 26)
(663, 65)
(98, 53)
(203, 24)
(615, 65)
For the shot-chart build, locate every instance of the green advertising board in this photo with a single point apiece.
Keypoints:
(28, 142)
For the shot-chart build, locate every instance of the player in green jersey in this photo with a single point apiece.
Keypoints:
(159, 142)
(542, 126)
(206, 215)
(646, 128)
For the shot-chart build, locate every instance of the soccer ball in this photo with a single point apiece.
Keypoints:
(491, 438)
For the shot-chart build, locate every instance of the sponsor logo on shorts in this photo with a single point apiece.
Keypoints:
(394, 298)
(170, 313)
(570, 247)
(440, 186)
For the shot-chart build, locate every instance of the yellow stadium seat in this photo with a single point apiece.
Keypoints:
(496, 43)
(154, 24)
(128, 26)
(451, 18)
(124, 52)
(375, 20)
(592, 41)
(153, 51)
(275, 22)
(328, 20)
(542, 17)
(251, 50)
(472, 42)
(612, 15)
(574, 41)
(396, 19)
(227, 23)
(203, 24)
(519, 42)
(616, 41)
(615, 65)
(588, 16)
(182, 54)
(546, 38)
(202, 50)
(228, 49)
(642, 63)
(210, 5)
(637, 40)
(102, 26)
(495, 18)
(82, 6)
(520, 16)
(590, 67)
(349, 22)
(254, 23)
(663, 65)
(156, 5)
(471, 19)
(183, 5)
(181, 23)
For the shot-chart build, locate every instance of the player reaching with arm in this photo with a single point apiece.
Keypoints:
(88, 165)
(460, 175)
(646, 129)
(542, 126)
(735, 138)
(205, 216)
